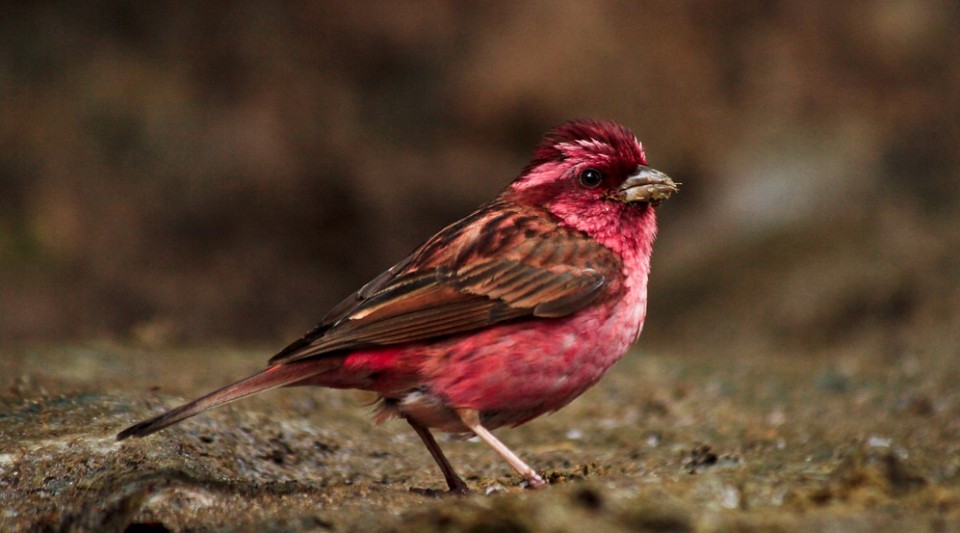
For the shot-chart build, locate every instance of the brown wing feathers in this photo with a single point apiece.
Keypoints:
(428, 296)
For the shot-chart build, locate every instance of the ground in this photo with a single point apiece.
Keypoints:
(171, 178)
(666, 442)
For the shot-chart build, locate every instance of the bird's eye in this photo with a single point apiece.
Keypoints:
(590, 178)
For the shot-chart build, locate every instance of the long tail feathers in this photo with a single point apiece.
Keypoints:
(271, 378)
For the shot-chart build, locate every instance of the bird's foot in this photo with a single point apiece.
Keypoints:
(458, 487)
(533, 480)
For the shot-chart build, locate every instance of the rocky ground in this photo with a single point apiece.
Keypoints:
(173, 177)
(857, 441)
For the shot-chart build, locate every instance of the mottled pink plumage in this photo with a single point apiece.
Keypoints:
(507, 314)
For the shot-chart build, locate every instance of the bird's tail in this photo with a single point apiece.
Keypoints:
(273, 377)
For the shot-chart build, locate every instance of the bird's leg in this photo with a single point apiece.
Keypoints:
(456, 484)
(471, 418)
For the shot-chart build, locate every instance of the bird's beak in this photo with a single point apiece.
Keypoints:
(647, 185)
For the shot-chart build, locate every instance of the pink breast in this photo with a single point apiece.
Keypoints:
(536, 366)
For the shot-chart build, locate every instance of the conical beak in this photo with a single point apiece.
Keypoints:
(647, 185)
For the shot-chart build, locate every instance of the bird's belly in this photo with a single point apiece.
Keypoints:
(433, 411)
(515, 372)
(511, 373)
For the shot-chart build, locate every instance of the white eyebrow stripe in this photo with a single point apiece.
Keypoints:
(581, 144)
(590, 143)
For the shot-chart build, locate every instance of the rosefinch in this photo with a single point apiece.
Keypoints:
(505, 315)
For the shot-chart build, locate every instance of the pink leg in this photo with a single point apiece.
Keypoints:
(471, 418)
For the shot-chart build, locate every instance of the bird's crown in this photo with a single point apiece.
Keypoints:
(589, 139)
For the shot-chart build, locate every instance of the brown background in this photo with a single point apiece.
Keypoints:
(204, 171)
(186, 187)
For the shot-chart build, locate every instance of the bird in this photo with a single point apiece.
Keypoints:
(507, 314)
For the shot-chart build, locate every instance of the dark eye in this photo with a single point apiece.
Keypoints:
(590, 177)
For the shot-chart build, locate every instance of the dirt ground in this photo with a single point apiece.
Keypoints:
(860, 441)
(174, 177)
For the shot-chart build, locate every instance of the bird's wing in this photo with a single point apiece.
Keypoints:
(466, 285)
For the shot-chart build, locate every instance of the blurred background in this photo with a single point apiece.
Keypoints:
(203, 171)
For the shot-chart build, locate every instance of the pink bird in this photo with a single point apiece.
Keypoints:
(505, 315)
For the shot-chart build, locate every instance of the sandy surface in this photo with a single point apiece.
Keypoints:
(168, 177)
(854, 442)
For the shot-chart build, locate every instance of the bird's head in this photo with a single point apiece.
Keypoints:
(593, 176)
